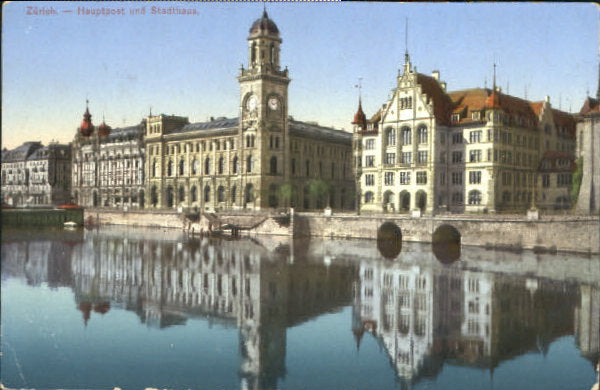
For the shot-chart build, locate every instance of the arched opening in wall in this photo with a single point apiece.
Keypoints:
(221, 166)
(153, 196)
(249, 195)
(389, 240)
(343, 199)
(421, 198)
(273, 200)
(446, 244)
(181, 167)
(170, 196)
(233, 194)
(405, 201)
(207, 166)
(194, 194)
(95, 199)
(253, 53)
(142, 198)
(388, 201)
(221, 194)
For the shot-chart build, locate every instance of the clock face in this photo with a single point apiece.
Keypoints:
(251, 103)
(273, 103)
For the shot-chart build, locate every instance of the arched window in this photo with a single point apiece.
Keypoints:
(235, 165)
(154, 164)
(307, 168)
(272, 56)
(170, 168)
(207, 166)
(474, 197)
(406, 135)
(249, 163)
(233, 193)
(273, 165)
(253, 53)
(195, 167)
(221, 194)
(422, 133)
(181, 166)
(207, 193)
(221, 165)
(369, 197)
(390, 136)
(194, 194)
(249, 192)
(181, 194)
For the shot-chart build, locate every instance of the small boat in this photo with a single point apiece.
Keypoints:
(70, 225)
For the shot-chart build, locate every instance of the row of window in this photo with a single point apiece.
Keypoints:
(474, 198)
(225, 144)
(404, 178)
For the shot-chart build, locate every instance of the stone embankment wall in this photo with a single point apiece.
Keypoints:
(571, 234)
(568, 234)
(167, 219)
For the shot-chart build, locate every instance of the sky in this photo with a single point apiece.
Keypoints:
(127, 65)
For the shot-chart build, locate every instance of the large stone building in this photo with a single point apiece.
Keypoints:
(261, 159)
(588, 151)
(34, 174)
(475, 150)
(108, 165)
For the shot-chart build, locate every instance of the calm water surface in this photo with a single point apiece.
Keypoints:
(140, 308)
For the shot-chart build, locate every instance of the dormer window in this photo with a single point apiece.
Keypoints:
(455, 117)
(476, 115)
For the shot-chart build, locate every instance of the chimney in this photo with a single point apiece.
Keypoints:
(436, 75)
(443, 85)
(547, 99)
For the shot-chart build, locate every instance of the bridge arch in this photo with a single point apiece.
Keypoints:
(389, 240)
(445, 243)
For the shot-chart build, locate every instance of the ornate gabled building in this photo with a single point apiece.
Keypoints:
(261, 159)
(108, 165)
(33, 174)
(476, 150)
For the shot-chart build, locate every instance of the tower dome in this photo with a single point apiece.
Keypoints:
(264, 25)
(360, 118)
(87, 128)
(104, 129)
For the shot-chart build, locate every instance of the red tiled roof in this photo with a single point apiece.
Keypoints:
(564, 119)
(537, 107)
(442, 105)
(467, 101)
(479, 98)
(590, 106)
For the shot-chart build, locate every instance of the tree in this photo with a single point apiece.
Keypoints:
(320, 190)
(287, 194)
(576, 182)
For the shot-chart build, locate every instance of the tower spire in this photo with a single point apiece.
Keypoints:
(598, 91)
(406, 56)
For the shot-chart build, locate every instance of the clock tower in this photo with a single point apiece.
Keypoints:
(264, 139)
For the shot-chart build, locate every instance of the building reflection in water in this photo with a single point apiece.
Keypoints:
(479, 311)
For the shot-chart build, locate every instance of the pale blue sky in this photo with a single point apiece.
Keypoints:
(187, 64)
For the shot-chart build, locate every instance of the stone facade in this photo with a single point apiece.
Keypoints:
(588, 150)
(262, 159)
(108, 165)
(476, 150)
(33, 174)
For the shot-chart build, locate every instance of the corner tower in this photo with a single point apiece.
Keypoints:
(263, 115)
